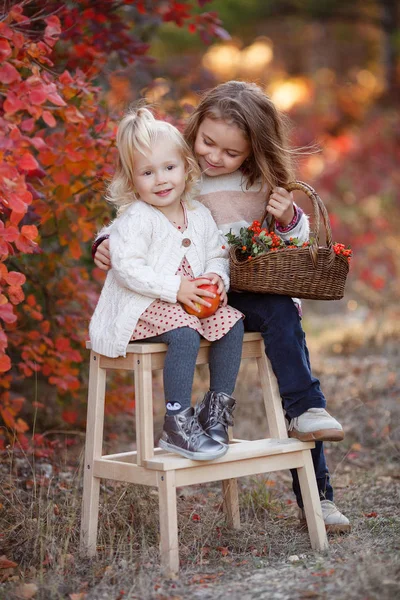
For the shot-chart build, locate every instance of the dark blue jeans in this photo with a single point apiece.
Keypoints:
(278, 321)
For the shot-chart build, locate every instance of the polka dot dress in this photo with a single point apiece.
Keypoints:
(161, 316)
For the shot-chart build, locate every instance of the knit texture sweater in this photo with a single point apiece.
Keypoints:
(146, 251)
(233, 206)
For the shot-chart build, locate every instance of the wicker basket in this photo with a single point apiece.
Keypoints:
(313, 272)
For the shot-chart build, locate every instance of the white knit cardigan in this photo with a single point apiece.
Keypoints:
(146, 251)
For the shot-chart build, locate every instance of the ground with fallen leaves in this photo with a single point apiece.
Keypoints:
(358, 362)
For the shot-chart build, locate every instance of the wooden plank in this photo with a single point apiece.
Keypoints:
(93, 450)
(146, 348)
(272, 399)
(144, 408)
(239, 451)
(312, 503)
(131, 456)
(231, 502)
(169, 551)
(215, 471)
(123, 363)
(119, 471)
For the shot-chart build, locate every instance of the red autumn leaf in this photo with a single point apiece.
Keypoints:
(53, 29)
(62, 344)
(38, 95)
(30, 232)
(224, 550)
(27, 125)
(16, 204)
(8, 74)
(70, 416)
(5, 50)
(65, 78)
(15, 278)
(56, 99)
(15, 294)
(25, 244)
(49, 119)
(12, 103)
(28, 162)
(40, 173)
(9, 234)
(371, 515)
(196, 517)
(6, 310)
(5, 362)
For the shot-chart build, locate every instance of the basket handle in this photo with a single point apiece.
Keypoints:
(318, 209)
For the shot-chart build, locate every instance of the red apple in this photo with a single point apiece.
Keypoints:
(205, 311)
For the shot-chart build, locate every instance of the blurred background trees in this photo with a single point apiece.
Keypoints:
(69, 69)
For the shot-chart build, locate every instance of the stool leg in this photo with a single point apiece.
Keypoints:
(231, 502)
(169, 552)
(272, 398)
(144, 408)
(312, 503)
(93, 450)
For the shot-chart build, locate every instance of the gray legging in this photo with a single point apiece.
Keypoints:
(180, 361)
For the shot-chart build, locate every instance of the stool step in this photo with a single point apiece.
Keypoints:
(237, 451)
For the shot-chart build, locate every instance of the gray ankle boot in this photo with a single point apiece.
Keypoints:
(215, 415)
(183, 435)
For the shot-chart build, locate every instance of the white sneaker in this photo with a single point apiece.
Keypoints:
(316, 425)
(335, 521)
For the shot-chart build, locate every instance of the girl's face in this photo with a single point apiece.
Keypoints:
(220, 147)
(159, 177)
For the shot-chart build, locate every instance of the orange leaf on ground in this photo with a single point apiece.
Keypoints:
(7, 564)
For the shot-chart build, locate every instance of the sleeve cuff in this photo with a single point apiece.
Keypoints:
(170, 288)
(298, 213)
(97, 243)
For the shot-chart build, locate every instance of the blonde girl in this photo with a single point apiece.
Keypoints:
(164, 245)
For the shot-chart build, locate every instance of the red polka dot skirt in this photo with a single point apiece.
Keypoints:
(161, 316)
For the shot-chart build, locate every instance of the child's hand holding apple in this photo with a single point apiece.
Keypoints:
(200, 296)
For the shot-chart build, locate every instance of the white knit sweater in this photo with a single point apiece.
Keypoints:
(146, 251)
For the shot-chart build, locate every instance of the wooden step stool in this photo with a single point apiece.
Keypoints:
(167, 471)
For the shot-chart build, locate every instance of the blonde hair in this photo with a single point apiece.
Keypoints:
(138, 131)
(247, 106)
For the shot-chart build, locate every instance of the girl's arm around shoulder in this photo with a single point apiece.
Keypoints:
(217, 256)
(131, 245)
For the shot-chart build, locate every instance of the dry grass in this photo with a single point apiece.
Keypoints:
(40, 511)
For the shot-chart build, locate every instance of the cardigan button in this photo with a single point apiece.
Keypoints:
(186, 242)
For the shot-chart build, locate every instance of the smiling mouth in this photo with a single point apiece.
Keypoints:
(211, 165)
(163, 192)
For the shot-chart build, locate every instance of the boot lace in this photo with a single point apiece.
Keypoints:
(192, 430)
(220, 413)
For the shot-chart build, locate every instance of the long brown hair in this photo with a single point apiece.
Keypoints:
(248, 107)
